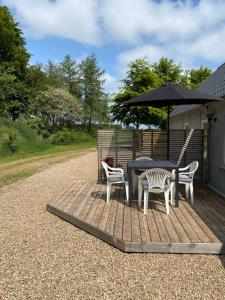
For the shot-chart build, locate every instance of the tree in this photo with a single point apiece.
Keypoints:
(168, 71)
(13, 54)
(69, 73)
(197, 76)
(91, 89)
(13, 61)
(140, 78)
(55, 106)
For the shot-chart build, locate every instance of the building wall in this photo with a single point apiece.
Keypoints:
(195, 118)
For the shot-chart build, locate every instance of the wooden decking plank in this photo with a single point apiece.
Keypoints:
(79, 196)
(89, 216)
(127, 224)
(217, 209)
(211, 220)
(61, 196)
(152, 227)
(212, 237)
(178, 226)
(112, 213)
(84, 200)
(145, 235)
(68, 194)
(174, 237)
(72, 197)
(102, 202)
(118, 229)
(135, 225)
(156, 208)
(187, 227)
(212, 200)
(105, 213)
(88, 203)
(212, 213)
(203, 213)
(194, 225)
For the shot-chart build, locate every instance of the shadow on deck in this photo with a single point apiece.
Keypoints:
(188, 229)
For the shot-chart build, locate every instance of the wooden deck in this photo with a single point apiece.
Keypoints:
(187, 229)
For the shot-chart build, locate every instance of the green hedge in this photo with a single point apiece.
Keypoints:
(19, 137)
(71, 136)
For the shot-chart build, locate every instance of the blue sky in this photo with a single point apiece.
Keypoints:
(118, 31)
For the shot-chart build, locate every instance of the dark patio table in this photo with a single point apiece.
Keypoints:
(147, 164)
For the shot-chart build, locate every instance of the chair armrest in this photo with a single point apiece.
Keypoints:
(183, 169)
(115, 173)
(116, 169)
(186, 173)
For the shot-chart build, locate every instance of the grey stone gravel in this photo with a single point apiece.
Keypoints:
(44, 257)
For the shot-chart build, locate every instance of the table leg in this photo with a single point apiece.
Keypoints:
(129, 184)
(177, 187)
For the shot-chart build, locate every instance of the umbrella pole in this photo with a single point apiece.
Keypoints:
(168, 132)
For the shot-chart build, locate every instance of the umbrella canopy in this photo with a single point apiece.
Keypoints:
(168, 95)
(171, 94)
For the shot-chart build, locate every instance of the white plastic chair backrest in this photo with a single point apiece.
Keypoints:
(143, 158)
(193, 168)
(105, 167)
(157, 178)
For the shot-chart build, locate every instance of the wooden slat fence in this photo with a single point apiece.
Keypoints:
(124, 145)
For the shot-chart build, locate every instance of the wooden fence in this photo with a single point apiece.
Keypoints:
(124, 145)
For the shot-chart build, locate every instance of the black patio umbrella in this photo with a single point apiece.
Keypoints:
(168, 95)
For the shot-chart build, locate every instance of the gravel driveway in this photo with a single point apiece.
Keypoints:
(44, 257)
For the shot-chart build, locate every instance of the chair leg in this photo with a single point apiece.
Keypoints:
(108, 191)
(192, 192)
(166, 194)
(127, 191)
(172, 193)
(187, 186)
(146, 202)
(140, 192)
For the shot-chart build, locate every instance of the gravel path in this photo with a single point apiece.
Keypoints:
(44, 257)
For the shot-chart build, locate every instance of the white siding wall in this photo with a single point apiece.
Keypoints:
(217, 158)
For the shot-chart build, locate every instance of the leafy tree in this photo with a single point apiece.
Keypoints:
(69, 73)
(91, 89)
(13, 54)
(13, 62)
(168, 71)
(197, 76)
(55, 106)
(140, 78)
(52, 72)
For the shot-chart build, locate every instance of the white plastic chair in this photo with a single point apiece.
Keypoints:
(154, 181)
(143, 158)
(114, 176)
(186, 176)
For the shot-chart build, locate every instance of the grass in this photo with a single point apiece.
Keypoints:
(53, 150)
(15, 169)
(23, 152)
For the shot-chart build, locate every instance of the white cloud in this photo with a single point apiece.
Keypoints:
(72, 19)
(184, 30)
(112, 84)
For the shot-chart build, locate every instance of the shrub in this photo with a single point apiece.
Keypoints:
(69, 136)
(9, 144)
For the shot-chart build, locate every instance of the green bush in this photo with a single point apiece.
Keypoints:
(70, 136)
(19, 137)
(9, 143)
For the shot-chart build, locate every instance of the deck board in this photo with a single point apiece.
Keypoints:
(198, 228)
